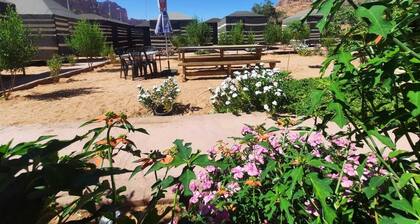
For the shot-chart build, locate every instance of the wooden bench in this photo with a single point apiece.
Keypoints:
(228, 64)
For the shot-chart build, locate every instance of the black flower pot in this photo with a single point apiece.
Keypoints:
(160, 111)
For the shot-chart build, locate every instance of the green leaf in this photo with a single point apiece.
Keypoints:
(402, 205)
(322, 191)
(155, 167)
(136, 171)
(339, 117)
(373, 186)
(169, 181)
(404, 179)
(202, 161)
(376, 16)
(184, 149)
(284, 206)
(414, 98)
(185, 178)
(325, 9)
(297, 175)
(384, 139)
(316, 98)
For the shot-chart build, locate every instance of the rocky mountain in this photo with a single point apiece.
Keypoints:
(107, 9)
(291, 7)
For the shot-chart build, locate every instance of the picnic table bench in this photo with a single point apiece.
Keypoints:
(223, 63)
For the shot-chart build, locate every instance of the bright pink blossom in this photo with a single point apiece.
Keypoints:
(251, 169)
(346, 182)
(237, 172)
(315, 139)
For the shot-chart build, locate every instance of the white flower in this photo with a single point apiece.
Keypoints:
(232, 87)
(245, 89)
(257, 92)
(227, 102)
(258, 84)
(274, 103)
(234, 95)
(278, 94)
(236, 73)
(266, 107)
(275, 84)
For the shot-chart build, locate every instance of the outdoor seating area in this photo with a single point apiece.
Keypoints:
(142, 62)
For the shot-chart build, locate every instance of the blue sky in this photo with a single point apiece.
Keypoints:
(204, 9)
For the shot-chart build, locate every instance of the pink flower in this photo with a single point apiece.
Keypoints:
(202, 175)
(233, 187)
(235, 148)
(195, 198)
(211, 169)
(346, 182)
(372, 159)
(383, 171)
(349, 170)
(316, 153)
(310, 208)
(293, 136)
(315, 139)
(193, 186)
(251, 169)
(212, 151)
(207, 184)
(333, 176)
(208, 198)
(341, 142)
(274, 142)
(247, 130)
(328, 159)
(237, 172)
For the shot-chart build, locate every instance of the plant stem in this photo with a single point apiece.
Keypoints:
(111, 166)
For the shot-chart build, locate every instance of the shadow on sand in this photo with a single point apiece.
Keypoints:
(61, 94)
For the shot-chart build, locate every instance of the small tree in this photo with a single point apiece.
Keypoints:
(16, 48)
(54, 64)
(269, 10)
(87, 40)
(180, 40)
(250, 38)
(199, 33)
(237, 33)
(298, 30)
(272, 34)
(224, 38)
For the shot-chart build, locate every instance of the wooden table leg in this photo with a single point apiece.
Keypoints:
(184, 74)
(272, 65)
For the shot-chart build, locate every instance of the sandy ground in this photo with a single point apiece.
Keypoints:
(87, 95)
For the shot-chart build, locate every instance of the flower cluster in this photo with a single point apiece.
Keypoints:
(256, 90)
(163, 95)
(266, 161)
(303, 49)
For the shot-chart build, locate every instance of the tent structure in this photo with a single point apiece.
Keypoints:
(252, 22)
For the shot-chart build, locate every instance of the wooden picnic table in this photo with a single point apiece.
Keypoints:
(221, 59)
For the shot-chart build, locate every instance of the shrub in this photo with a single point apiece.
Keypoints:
(109, 53)
(163, 95)
(54, 64)
(250, 38)
(298, 30)
(258, 90)
(16, 47)
(71, 59)
(237, 34)
(272, 34)
(286, 36)
(303, 49)
(179, 40)
(225, 38)
(198, 33)
(87, 40)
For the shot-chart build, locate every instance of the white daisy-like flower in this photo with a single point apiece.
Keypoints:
(266, 107)
(274, 103)
(258, 92)
(245, 89)
(258, 84)
(275, 84)
(234, 95)
(227, 103)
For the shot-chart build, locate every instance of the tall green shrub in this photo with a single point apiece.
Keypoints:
(16, 47)
(237, 33)
(198, 33)
(87, 40)
(298, 30)
(179, 40)
(272, 33)
(224, 38)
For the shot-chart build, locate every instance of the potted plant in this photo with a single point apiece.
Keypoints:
(160, 99)
(54, 64)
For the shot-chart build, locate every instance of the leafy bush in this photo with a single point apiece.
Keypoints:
(250, 38)
(225, 38)
(34, 175)
(16, 47)
(87, 40)
(282, 177)
(298, 30)
(286, 36)
(109, 53)
(237, 35)
(198, 33)
(258, 90)
(303, 49)
(272, 34)
(163, 95)
(71, 59)
(179, 40)
(54, 64)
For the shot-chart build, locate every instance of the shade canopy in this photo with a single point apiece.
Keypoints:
(163, 25)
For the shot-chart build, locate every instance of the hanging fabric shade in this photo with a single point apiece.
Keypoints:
(163, 25)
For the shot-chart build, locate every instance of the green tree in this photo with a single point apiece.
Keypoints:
(199, 33)
(272, 33)
(16, 47)
(250, 38)
(267, 9)
(237, 33)
(179, 40)
(224, 38)
(298, 30)
(87, 40)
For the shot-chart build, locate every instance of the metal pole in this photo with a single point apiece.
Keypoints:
(68, 5)
(167, 51)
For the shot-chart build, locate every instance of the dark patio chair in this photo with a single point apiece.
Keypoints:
(148, 62)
